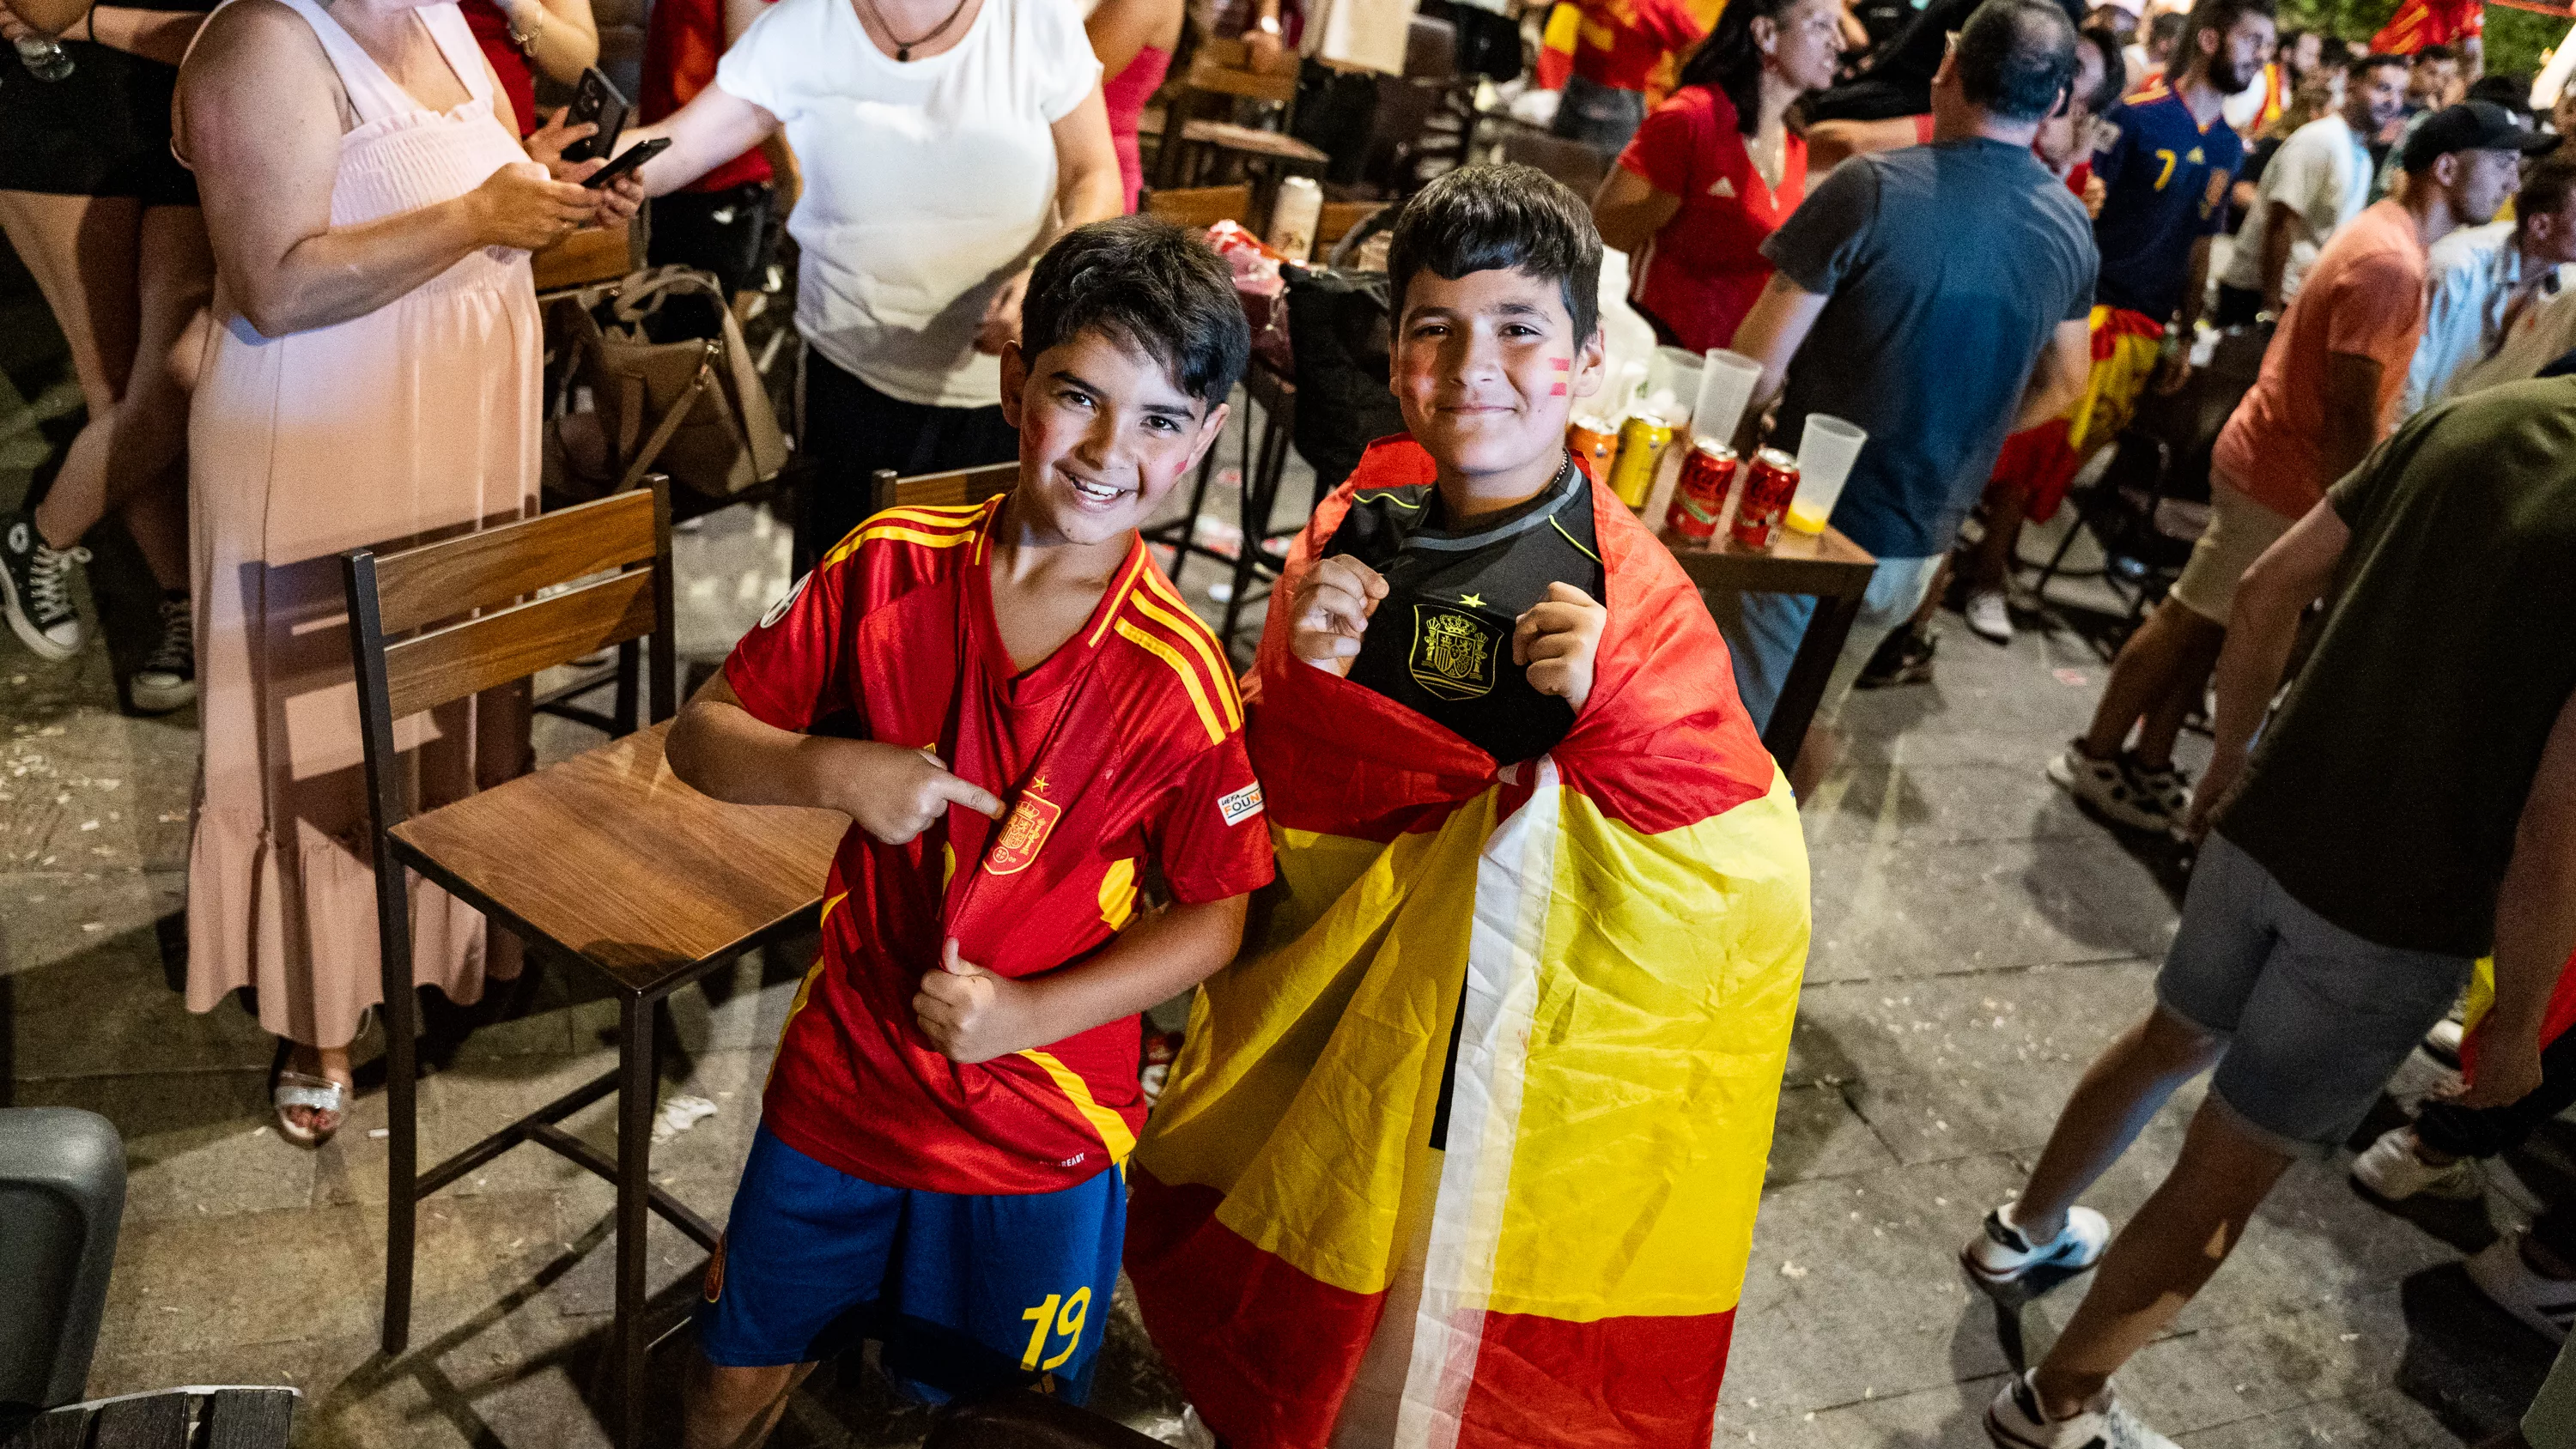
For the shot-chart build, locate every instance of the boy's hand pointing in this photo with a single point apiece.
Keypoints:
(895, 794)
(969, 1013)
(1556, 639)
(1331, 611)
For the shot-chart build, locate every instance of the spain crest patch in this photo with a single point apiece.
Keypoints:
(1453, 653)
(1023, 834)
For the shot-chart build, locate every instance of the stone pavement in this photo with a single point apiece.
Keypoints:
(1976, 941)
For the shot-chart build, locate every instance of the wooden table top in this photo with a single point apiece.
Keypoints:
(610, 854)
(1231, 137)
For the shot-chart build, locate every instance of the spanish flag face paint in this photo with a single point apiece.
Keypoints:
(1469, 1143)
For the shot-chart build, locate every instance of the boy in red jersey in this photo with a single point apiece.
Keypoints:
(1021, 718)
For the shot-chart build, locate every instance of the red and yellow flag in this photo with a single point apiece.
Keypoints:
(2420, 23)
(1614, 933)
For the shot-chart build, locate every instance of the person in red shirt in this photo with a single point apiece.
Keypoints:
(1616, 50)
(725, 222)
(1024, 723)
(1715, 168)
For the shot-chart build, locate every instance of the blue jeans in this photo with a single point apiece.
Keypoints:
(1763, 632)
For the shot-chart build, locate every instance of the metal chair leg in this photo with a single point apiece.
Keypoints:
(402, 1090)
(636, 1090)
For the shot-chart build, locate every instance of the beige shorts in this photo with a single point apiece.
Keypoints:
(2239, 530)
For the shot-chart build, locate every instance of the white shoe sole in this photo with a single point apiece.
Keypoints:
(148, 700)
(25, 627)
(2118, 814)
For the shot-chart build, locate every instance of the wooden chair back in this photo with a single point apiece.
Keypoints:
(1572, 162)
(1201, 206)
(1340, 218)
(436, 623)
(953, 489)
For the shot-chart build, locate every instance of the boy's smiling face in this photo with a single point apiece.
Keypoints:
(1487, 368)
(1104, 434)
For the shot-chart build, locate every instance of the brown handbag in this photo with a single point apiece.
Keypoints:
(690, 406)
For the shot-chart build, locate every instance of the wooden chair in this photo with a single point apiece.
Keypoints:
(1202, 206)
(953, 489)
(604, 863)
(1340, 219)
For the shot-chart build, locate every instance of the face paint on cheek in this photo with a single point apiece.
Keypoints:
(1560, 364)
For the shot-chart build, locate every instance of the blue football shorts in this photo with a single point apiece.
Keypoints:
(967, 1293)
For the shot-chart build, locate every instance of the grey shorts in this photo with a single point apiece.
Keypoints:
(2315, 1018)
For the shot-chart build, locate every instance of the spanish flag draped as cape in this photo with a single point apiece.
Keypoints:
(1615, 932)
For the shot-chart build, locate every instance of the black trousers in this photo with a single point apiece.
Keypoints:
(725, 232)
(2486, 1131)
(851, 430)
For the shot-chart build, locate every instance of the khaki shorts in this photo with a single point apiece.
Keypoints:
(2239, 530)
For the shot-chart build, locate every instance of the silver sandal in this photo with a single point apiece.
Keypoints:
(320, 1094)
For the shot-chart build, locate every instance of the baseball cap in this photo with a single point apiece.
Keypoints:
(2470, 126)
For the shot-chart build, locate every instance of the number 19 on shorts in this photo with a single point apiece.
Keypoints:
(1057, 1317)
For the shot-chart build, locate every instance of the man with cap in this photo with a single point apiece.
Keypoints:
(2328, 391)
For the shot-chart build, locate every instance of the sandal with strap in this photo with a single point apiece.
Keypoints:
(327, 1099)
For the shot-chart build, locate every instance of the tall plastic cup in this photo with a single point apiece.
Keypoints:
(1726, 383)
(1825, 455)
(1674, 370)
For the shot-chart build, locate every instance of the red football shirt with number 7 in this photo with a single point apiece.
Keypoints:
(1119, 753)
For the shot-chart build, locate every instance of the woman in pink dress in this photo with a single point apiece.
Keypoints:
(371, 378)
(1134, 40)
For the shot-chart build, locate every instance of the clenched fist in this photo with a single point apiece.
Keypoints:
(895, 794)
(969, 1013)
(1556, 640)
(1331, 611)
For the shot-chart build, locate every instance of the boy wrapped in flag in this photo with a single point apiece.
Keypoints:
(1465, 1149)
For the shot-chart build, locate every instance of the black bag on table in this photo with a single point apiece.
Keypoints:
(1338, 327)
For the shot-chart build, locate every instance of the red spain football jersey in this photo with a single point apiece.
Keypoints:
(1121, 750)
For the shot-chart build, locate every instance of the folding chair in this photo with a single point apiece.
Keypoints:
(603, 863)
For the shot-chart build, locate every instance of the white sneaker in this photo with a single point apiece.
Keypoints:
(2443, 1041)
(2015, 1421)
(2390, 1169)
(2000, 1253)
(2545, 1305)
(2110, 788)
(1987, 616)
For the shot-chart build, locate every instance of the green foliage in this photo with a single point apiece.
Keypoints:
(2515, 39)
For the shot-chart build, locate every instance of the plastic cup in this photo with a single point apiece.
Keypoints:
(1675, 370)
(1826, 452)
(1726, 383)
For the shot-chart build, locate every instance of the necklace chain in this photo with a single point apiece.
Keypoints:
(903, 47)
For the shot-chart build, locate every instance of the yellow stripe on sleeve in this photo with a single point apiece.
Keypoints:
(1117, 593)
(1208, 715)
(1197, 635)
(1105, 1121)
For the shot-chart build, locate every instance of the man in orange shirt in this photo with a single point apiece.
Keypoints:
(2328, 385)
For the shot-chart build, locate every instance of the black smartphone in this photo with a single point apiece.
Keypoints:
(595, 100)
(634, 156)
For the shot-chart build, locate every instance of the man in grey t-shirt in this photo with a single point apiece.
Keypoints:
(1937, 297)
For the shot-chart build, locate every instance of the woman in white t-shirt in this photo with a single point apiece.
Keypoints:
(943, 144)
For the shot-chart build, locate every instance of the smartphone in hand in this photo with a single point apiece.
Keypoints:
(595, 100)
(634, 156)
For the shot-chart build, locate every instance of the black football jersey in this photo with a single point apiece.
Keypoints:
(1440, 642)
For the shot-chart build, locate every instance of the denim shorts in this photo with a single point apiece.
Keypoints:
(2315, 1019)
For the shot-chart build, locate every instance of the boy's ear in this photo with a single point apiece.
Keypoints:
(1211, 428)
(1591, 362)
(1015, 379)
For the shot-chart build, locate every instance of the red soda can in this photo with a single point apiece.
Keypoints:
(1768, 486)
(1699, 495)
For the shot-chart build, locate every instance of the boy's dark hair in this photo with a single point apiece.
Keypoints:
(2166, 28)
(1149, 284)
(2379, 59)
(1505, 217)
(2435, 54)
(2546, 181)
(2017, 59)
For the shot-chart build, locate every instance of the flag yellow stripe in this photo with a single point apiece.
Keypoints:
(1189, 677)
(1193, 632)
(1104, 1120)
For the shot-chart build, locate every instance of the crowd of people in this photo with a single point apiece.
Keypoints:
(1479, 777)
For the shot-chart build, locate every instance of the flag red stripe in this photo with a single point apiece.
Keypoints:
(1613, 1383)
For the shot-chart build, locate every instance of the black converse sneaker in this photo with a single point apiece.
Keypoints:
(168, 678)
(36, 589)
